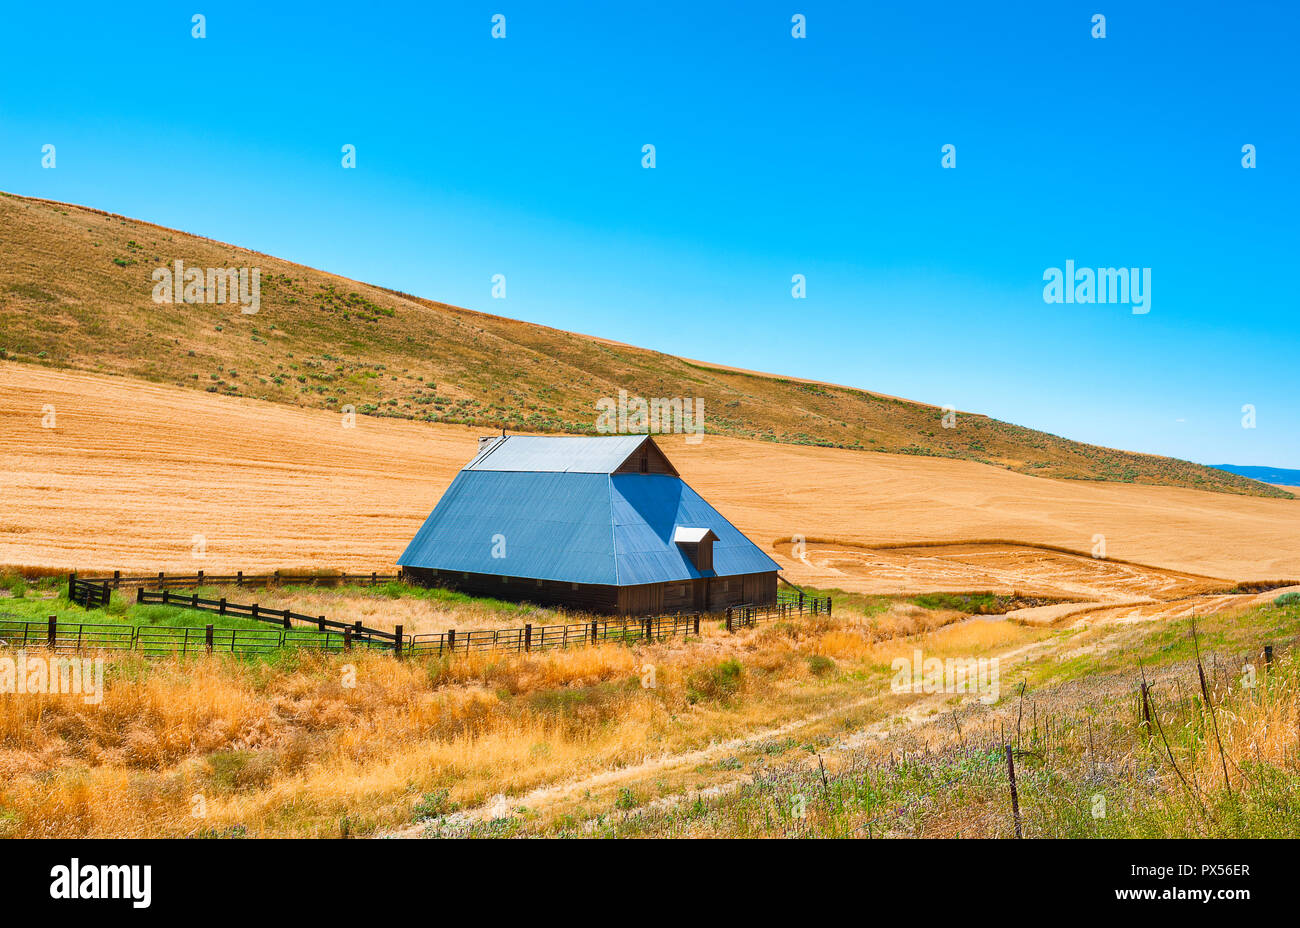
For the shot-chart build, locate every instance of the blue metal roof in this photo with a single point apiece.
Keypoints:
(557, 454)
(576, 527)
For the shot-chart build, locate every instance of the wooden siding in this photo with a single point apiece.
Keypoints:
(712, 594)
(647, 459)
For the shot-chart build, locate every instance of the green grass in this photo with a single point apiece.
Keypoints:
(973, 603)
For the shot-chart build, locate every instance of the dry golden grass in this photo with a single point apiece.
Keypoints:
(76, 291)
(294, 749)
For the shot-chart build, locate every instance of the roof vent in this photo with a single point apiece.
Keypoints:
(696, 544)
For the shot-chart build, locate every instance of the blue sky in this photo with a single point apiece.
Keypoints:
(774, 156)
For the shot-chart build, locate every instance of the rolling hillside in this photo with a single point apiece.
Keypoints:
(76, 292)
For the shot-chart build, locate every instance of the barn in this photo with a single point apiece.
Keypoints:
(594, 524)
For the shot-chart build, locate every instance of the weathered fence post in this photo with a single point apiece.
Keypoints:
(451, 641)
(374, 578)
(397, 645)
(160, 579)
(730, 627)
(139, 594)
(221, 606)
(117, 579)
(528, 636)
(594, 626)
(72, 586)
(1268, 657)
(320, 623)
(53, 634)
(239, 578)
(200, 576)
(207, 634)
(286, 619)
(1015, 800)
(1146, 706)
(697, 624)
(255, 610)
(347, 638)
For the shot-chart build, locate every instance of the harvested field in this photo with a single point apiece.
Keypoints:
(1000, 568)
(132, 472)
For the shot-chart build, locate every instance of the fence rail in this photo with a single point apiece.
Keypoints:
(283, 617)
(749, 615)
(331, 635)
(163, 580)
(544, 637)
(92, 594)
(164, 639)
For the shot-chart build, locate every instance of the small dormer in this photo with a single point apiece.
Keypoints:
(696, 544)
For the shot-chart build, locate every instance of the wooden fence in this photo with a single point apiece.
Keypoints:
(804, 602)
(542, 637)
(162, 580)
(786, 607)
(328, 635)
(89, 593)
(282, 617)
(167, 639)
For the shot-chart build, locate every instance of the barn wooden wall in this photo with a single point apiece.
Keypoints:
(706, 595)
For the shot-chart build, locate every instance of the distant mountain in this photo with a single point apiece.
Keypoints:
(1280, 475)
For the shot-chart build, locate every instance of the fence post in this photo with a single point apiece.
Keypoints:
(374, 578)
(347, 638)
(200, 583)
(207, 634)
(221, 606)
(320, 623)
(397, 645)
(1268, 657)
(801, 602)
(254, 610)
(697, 624)
(239, 578)
(72, 585)
(451, 641)
(139, 594)
(528, 636)
(117, 579)
(53, 634)
(160, 579)
(729, 625)
(286, 619)
(1015, 800)
(1146, 706)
